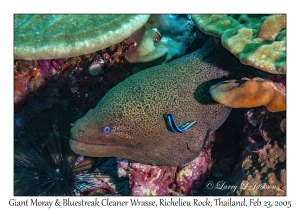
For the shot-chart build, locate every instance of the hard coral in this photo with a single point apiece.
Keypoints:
(163, 180)
(46, 36)
(30, 77)
(262, 166)
(162, 37)
(266, 178)
(105, 179)
(192, 175)
(257, 40)
(246, 93)
(150, 180)
(27, 79)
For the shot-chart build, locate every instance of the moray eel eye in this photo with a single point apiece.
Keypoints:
(106, 130)
(157, 37)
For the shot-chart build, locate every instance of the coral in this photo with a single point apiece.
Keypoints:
(261, 169)
(163, 37)
(163, 180)
(266, 171)
(123, 165)
(52, 67)
(31, 76)
(105, 179)
(150, 180)
(40, 84)
(27, 79)
(283, 125)
(257, 40)
(246, 93)
(46, 36)
(192, 175)
(247, 151)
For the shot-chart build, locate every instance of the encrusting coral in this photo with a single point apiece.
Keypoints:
(261, 165)
(257, 40)
(45, 36)
(268, 171)
(246, 93)
(163, 180)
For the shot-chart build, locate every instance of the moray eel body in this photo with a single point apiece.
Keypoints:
(128, 122)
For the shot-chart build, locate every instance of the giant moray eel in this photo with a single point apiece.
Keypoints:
(129, 121)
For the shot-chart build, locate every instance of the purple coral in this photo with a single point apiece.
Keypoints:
(50, 67)
(150, 180)
(163, 180)
(192, 175)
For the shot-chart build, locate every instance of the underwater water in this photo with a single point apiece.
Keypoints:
(136, 116)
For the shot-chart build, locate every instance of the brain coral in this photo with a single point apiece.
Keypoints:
(257, 40)
(45, 36)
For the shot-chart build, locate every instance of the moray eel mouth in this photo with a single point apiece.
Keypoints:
(97, 150)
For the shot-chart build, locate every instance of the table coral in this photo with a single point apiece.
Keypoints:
(163, 37)
(246, 93)
(257, 40)
(46, 36)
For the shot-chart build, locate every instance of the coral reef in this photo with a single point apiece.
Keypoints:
(246, 93)
(193, 175)
(257, 40)
(150, 180)
(263, 166)
(163, 38)
(163, 180)
(105, 179)
(245, 155)
(40, 84)
(30, 76)
(46, 36)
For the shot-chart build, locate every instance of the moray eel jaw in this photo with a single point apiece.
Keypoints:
(97, 150)
(90, 136)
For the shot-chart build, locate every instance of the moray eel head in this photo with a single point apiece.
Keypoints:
(102, 136)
